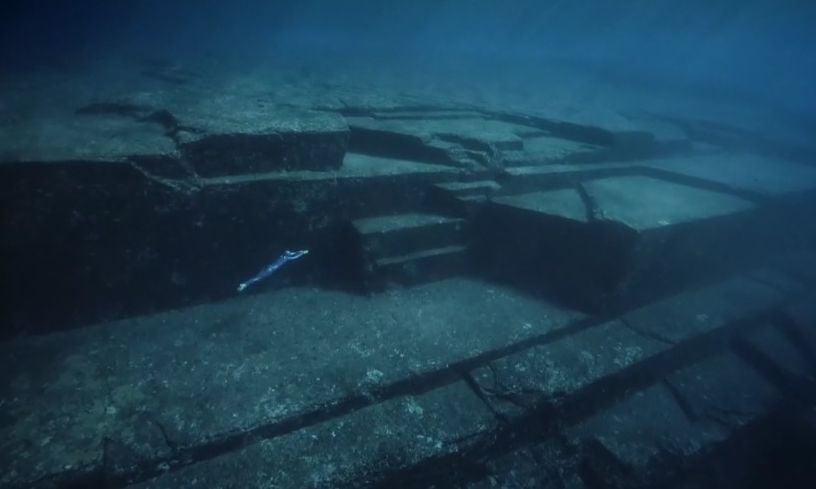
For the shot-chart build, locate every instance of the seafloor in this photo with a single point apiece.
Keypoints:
(554, 285)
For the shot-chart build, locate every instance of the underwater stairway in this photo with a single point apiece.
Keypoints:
(463, 198)
(411, 248)
(629, 401)
(456, 381)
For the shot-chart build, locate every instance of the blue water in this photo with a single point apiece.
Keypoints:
(534, 228)
(755, 50)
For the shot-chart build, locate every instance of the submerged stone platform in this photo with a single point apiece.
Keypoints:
(492, 298)
(303, 386)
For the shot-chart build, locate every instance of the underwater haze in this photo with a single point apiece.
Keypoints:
(755, 51)
(424, 244)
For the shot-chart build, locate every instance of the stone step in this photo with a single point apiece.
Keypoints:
(477, 142)
(462, 198)
(547, 150)
(463, 189)
(215, 142)
(423, 265)
(411, 248)
(401, 234)
(460, 156)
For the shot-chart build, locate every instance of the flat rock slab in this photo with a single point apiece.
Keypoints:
(401, 234)
(723, 393)
(583, 172)
(162, 387)
(566, 203)
(599, 240)
(82, 138)
(350, 451)
(743, 171)
(226, 132)
(225, 136)
(803, 321)
(664, 131)
(489, 133)
(788, 348)
(356, 167)
(559, 369)
(475, 143)
(355, 164)
(548, 150)
(703, 310)
(644, 203)
(214, 133)
(640, 429)
(518, 383)
(693, 409)
(546, 465)
(386, 224)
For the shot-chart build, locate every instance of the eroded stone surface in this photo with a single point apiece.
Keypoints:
(641, 429)
(743, 171)
(645, 203)
(703, 310)
(210, 373)
(83, 138)
(360, 447)
(226, 136)
(550, 372)
(723, 393)
(566, 203)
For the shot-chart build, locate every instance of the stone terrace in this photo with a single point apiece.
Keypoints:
(492, 299)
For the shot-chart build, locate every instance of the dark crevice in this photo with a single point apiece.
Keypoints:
(542, 421)
(647, 334)
(609, 390)
(395, 145)
(415, 385)
(701, 183)
(774, 450)
(789, 328)
(565, 130)
(522, 398)
(791, 385)
(437, 115)
(172, 445)
(121, 109)
(590, 205)
(546, 420)
(768, 283)
(167, 170)
(477, 390)
(681, 401)
(351, 110)
(731, 137)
